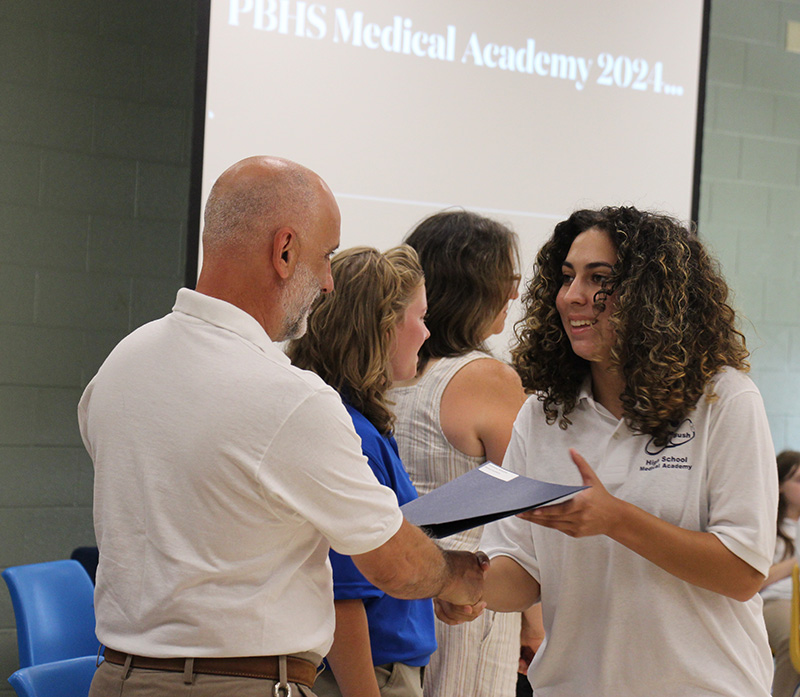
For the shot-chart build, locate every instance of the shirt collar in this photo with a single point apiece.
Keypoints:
(587, 400)
(585, 391)
(226, 316)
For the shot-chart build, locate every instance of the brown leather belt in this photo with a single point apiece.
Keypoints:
(298, 670)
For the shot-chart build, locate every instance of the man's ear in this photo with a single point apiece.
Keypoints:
(285, 252)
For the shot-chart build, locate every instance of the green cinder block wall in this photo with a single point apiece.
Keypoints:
(750, 191)
(95, 139)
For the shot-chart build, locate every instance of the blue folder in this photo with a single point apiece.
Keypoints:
(480, 496)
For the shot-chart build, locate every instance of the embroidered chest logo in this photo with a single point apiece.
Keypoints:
(670, 459)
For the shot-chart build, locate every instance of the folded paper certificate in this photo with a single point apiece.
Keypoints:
(480, 496)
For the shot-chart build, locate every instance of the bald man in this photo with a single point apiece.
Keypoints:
(223, 473)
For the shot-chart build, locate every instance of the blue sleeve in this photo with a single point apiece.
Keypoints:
(348, 581)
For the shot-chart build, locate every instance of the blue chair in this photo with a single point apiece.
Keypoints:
(54, 609)
(69, 678)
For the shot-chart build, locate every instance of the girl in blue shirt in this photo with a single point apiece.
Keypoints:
(360, 339)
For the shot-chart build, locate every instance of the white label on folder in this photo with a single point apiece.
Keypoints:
(497, 472)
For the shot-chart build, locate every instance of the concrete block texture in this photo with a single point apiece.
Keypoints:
(97, 345)
(162, 192)
(56, 421)
(742, 203)
(43, 356)
(40, 239)
(721, 155)
(17, 285)
(9, 659)
(779, 429)
(794, 352)
(779, 295)
(791, 435)
(760, 255)
(779, 390)
(140, 131)
(726, 60)
(20, 173)
(784, 209)
(769, 350)
(86, 182)
(23, 51)
(164, 70)
(750, 176)
(787, 116)
(18, 406)
(81, 301)
(82, 16)
(95, 132)
(40, 115)
(36, 534)
(721, 240)
(133, 21)
(140, 248)
(747, 297)
(756, 21)
(772, 68)
(153, 299)
(96, 65)
(770, 161)
(742, 110)
(44, 477)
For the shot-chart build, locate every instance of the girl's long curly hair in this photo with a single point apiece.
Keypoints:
(350, 336)
(674, 327)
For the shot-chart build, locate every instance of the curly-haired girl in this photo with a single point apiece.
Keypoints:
(647, 578)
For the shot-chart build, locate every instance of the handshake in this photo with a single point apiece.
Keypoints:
(460, 600)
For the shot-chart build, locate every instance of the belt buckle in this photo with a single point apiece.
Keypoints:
(282, 687)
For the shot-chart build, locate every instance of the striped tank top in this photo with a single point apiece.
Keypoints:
(427, 455)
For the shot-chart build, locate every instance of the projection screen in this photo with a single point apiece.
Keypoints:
(523, 110)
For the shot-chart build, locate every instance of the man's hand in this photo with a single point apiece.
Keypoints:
(450, 613)
(411, 565)
(465, 572)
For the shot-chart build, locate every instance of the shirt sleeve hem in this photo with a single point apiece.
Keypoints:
(374, 541)
(524, 563)
(351, 592)
(757, 561)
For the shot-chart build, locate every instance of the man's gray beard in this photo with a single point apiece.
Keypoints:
(297, 301)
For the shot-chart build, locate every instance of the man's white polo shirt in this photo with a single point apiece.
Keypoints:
(222, 475)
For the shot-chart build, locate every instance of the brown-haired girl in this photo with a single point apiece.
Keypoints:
(457, 412)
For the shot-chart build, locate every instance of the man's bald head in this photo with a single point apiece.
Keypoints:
(271, 226)
(254, 198)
